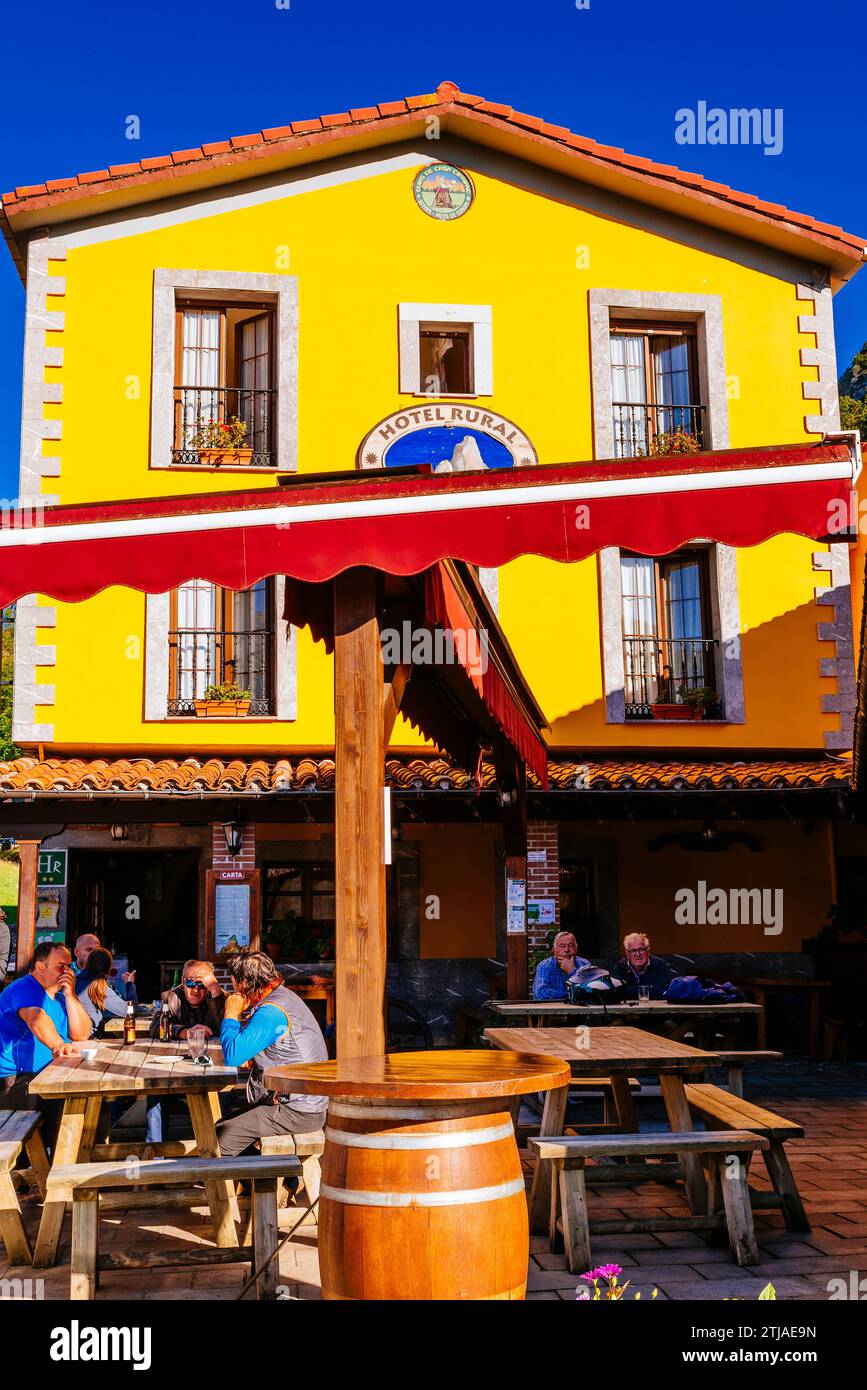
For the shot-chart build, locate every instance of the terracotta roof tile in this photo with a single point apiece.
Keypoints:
(428, 772)
(447, 94)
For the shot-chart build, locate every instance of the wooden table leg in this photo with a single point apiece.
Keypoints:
(219, 1194)
(815, 1043)
(680, 1119)
(553, 1120)
(75, 1141)
(761, 1021)
(624, 1103)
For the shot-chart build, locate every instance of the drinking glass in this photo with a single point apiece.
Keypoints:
(197, 1040)
(643, 994)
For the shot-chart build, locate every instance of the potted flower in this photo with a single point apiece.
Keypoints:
(669, 442)
(226, 701)
(693, 704)
(222, 441)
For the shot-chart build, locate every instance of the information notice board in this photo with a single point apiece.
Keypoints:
(232, 923)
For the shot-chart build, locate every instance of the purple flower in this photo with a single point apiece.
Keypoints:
(603, 1272)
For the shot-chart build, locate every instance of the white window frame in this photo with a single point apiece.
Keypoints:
(156, 693)
(479, 317)
(705, 311)
(213, 286)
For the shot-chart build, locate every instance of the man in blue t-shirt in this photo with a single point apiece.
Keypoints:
(549, 982)
(40, 1018)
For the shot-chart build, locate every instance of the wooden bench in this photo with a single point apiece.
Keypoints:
(309, 1149)
(722, 1110)
(19, 1129)
(82, 1183)
(734, 1062)
(727, 1187)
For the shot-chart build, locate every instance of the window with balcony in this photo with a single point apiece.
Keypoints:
(669, 651)
(654, 390)
(221, 637)
(224, 394)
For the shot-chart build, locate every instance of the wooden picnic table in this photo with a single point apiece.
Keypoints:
(703, 1019)
(761, 987)
(149, 1069)
(615, 1053)
(422, 1192)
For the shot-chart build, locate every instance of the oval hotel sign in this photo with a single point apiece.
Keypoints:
(452, 438)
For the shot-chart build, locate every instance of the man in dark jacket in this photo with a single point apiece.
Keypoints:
(197, 1002)
(638, 967)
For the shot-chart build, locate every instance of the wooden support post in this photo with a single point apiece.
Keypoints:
(359, 758)
(28, 852)
(512, 785)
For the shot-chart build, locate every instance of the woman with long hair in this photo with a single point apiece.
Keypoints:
(93, 987)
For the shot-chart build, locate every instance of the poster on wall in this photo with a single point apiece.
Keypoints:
(541, 912)
(231, 917)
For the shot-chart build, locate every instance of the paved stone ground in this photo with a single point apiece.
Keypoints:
(830, 1166)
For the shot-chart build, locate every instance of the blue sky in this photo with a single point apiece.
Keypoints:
(618, 71)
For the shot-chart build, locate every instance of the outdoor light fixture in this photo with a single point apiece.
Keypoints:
(234, 833)
(119, 832)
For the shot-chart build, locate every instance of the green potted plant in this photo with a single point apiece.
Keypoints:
(225, 701)
(286, 937)
(693, 704)
(222, 442)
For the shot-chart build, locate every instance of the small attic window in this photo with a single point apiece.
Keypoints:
(446, 359)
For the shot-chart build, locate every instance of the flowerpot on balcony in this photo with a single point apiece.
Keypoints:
(221, 709)
(227, 458)
(666, 710)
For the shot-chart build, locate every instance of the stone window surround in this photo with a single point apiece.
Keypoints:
(157, 607)
(215, 285)
(706, 312)
(410, 319)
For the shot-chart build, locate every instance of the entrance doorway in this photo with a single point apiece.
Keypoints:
(142, 905)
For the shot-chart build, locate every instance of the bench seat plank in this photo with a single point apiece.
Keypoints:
(739, 1113)
(607, 1146)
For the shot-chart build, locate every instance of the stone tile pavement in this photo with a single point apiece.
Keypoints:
(830, 1166)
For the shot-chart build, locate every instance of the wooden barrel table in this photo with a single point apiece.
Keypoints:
(422, 1191)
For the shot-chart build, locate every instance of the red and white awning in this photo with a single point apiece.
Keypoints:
(314, 528)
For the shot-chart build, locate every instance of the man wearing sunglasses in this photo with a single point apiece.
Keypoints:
(197, 1002)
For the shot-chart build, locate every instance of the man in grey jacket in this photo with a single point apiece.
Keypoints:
(5, 946)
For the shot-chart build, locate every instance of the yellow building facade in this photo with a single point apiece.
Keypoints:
(598, 304)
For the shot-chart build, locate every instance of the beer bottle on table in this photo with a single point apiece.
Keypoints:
(129, 1025)
(165, 1023)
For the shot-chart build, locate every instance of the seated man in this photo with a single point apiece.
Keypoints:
(40, 1018)
(89, 941)
(549, 982)
(638, 967)
(198, 1002)
(267, 1025)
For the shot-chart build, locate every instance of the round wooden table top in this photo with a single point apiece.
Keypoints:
(446, 1075)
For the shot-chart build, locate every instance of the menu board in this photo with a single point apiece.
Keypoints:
(233, 906)
(231, 917)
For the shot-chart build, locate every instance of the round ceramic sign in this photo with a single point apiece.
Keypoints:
(443, 192)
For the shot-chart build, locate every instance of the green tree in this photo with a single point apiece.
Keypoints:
(7, 747)
(853, 415)
(853, 382)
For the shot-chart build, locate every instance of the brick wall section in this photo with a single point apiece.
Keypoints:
(221, 857)
(543, 877)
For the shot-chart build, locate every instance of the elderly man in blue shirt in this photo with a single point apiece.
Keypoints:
(549, 982)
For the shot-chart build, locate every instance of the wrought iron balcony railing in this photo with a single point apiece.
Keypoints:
(200, 410)
(198, 659)
(660, 670)
(657, 429)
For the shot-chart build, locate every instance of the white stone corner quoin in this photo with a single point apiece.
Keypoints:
(36, 465)
(841, 666)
